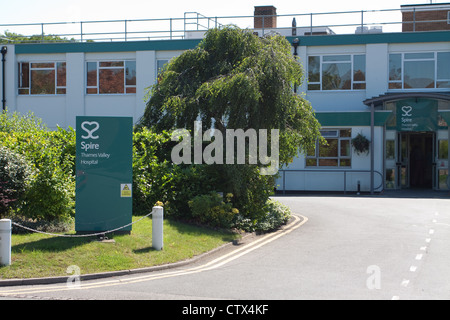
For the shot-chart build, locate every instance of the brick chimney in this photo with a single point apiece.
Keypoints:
(426, 17)
(268, 14)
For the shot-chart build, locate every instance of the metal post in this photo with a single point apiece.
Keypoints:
(4, 50)
(372, 156)
(125, 30)
(362, 21)
(5, 242)
(157, 228)
(263, 25)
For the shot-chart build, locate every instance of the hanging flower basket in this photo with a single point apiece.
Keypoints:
(361, 144)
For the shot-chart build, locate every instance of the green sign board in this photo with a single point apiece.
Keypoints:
(103, 173)
(417, 115)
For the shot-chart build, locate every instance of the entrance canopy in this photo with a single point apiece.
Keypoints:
(415, 111)
(380, 100)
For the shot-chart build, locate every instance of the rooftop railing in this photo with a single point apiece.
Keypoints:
(193, 26)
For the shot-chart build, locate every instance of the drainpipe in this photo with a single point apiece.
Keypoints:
(372, 156)
(295, 44)
(3, 51)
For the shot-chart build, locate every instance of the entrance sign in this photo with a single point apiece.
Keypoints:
(417, 115)
(104, 173)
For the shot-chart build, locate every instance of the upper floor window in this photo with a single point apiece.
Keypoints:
(160, 64)
(42, 78)
(424, 70)
(337, 72)
(111, 77)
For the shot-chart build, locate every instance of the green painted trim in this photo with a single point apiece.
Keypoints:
(185, 44)
(157, 45)
(445, 115)
(354, 39)
(348, 119)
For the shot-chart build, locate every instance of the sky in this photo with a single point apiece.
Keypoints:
(38, 11)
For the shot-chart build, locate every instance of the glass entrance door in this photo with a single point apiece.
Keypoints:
(416, 156)
(403, 160)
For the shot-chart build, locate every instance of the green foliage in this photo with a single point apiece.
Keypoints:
(234, 79)
(14, 174)
(156, 178)
(151, 169)
(361, 144)
(276, 214)
(213, 210)
(51, 188)
(12, 37)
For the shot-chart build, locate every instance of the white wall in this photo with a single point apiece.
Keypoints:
(61, 110)
(334, 181)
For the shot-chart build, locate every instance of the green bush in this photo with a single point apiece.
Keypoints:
(211, 209)
(189, 192)
(276, 215)
(156, 178)
(152, 169)
(14, 176)
(51, 192)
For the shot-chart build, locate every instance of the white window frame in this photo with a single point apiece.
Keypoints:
(30, 69)
(98, 68)
(339, 157)
(402, 76)
(352, 67)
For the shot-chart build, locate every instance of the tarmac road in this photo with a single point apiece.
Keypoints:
(338, 247)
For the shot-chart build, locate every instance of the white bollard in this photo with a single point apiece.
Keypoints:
(157, 227)
(5, 242)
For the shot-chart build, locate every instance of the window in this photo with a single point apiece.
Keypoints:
(443, 149)
(336, 152)
(160, 64)
(111, 77)
(425, 70)
(42, 78)
(337, 72)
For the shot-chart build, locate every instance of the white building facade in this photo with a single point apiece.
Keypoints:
(391, 88)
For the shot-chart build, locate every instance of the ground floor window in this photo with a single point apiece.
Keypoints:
(335, 153)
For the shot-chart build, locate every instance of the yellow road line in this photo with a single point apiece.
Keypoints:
(216, 263)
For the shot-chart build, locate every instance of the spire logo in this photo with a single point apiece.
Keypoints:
(94, 126)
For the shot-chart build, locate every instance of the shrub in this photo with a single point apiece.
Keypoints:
(180, 187)
(51, 196)
(276, 215)
(211, 209)
(51, 192)
(14, 175)
(156, 178)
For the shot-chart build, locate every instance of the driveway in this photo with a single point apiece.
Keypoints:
(338, 247)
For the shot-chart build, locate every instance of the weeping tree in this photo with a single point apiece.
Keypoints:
(236, 80)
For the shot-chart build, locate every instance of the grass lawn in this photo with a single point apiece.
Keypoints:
(38, 255)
